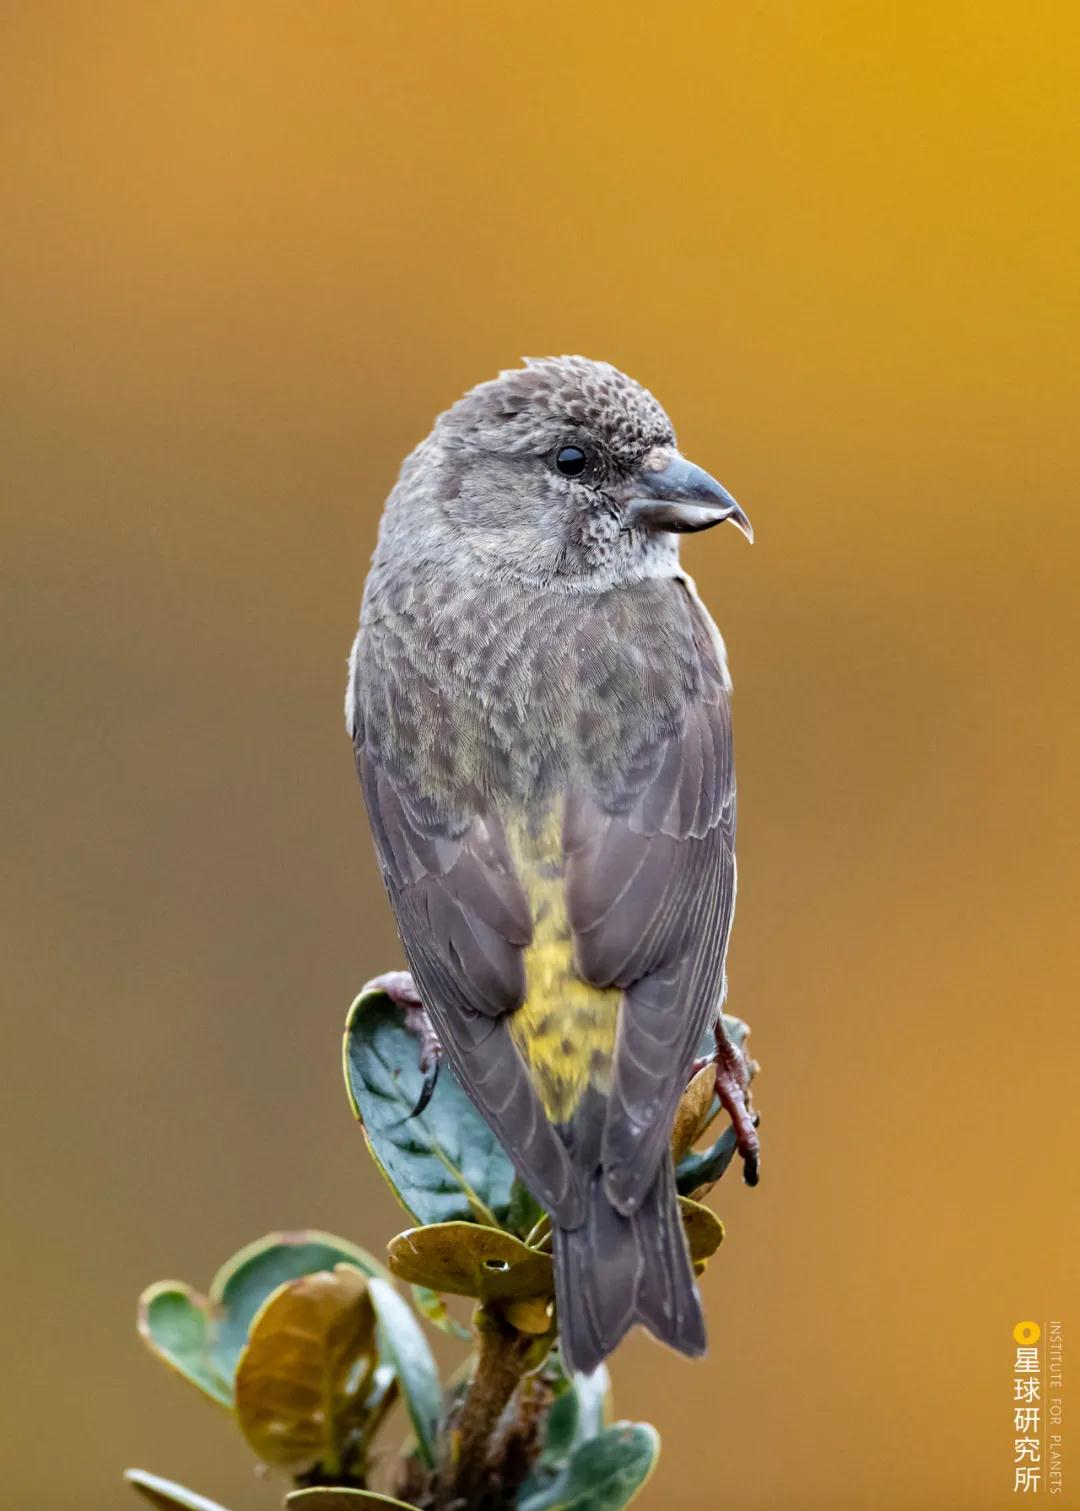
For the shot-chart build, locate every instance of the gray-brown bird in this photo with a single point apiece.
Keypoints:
(539, 705)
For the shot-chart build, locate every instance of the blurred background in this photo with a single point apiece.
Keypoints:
(249, 251)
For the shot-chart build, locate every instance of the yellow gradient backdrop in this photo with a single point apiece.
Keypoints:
(248, 251)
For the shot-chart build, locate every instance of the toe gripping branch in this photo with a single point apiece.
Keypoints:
(733, 1089)
(401, 989)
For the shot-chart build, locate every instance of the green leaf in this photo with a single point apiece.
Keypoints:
(165, 1494)
(177, 1325)
(704, 1168)
(432, 1306)
(379, 1399)
(524, 1211)
(603, 1474)
(327, 1498)
(403, 1344)
(577, 1415)
(466, 1259)
(201, 1336)
(443, 1164)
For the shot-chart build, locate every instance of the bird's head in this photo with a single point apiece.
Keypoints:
(567, 470)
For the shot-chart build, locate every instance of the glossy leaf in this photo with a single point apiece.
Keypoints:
(693, 1111)
(603, 1474)
(241, 1286)
(402, 1343)
(177, 1324)
(698, 1171)
(468, 1260)
(310, 1354)
(577, 1414)
(380, 1399)
(166, 1495)
(443, 1164)
(201, 1336)
(328, 1498)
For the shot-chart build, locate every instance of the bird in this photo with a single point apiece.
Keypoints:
(539, 705)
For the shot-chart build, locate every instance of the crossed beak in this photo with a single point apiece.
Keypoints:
(670, 493)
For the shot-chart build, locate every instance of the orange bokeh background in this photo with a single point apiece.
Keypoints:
(249, 250)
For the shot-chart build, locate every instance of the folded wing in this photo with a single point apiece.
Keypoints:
(465, 922)
(650, 878)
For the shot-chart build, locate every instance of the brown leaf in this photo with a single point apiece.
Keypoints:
(704, 1231)
(533, 1315)
(692, 1114)
(466, 1259)
(297, 1377)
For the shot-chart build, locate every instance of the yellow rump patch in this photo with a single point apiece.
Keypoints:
(565, 1029)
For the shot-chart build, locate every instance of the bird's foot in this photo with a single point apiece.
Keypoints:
(401, 989)
(733, 1090)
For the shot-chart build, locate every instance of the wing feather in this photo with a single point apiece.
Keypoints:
(464, 921)
(650, 895)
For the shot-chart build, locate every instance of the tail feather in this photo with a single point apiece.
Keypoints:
(614, 1271)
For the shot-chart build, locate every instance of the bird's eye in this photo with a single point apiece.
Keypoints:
(571, 461)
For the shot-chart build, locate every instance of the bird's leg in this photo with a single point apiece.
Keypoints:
(401, 989)
(733, 1090)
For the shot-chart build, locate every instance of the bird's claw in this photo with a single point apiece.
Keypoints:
(733, 1090)
(401, 989)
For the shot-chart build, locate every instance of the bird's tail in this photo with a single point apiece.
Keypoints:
(614, 1271)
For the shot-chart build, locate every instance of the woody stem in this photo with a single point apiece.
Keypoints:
(502, 1360)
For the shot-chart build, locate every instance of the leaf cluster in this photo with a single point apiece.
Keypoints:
(305, 1340)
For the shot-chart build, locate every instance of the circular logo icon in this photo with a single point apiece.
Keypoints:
(1027, 1332)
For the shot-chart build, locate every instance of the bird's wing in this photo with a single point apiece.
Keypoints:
(650, 890)
(464, 922)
